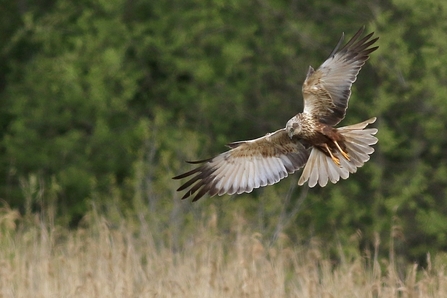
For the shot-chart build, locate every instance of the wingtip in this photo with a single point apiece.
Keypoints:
(233, 145)
(196, 198)
(194, 162)
(340, 41)
(310, 71)
(361, 30)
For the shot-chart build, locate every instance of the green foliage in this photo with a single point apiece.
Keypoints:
(70, 104)
(106, 99)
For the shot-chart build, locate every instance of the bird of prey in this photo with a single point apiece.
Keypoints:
(309, 138)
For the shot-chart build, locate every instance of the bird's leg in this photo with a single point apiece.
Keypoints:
(334, 158)
(345, 154)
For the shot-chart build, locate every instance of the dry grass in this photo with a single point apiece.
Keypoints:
(123, 261)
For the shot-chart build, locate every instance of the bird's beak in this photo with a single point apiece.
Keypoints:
(290, 132)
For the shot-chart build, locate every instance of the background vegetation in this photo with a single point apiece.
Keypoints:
(102, 101)
(100, 259)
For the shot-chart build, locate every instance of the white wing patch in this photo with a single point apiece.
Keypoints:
(248, 165)
(243, 174)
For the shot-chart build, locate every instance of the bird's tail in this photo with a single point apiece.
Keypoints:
(320, 168)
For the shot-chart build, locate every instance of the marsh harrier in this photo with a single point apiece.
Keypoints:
(309, 138)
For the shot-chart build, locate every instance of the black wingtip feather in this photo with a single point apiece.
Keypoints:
(184, 175)
(354, 42)
(340, 41)
(188, 183)
(199, 161)
(186, 195)
(200, 194)
(193, 190)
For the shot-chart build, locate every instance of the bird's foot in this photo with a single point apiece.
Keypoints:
(345, 154)
(335, 159)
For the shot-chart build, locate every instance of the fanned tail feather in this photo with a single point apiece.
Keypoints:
(358, 141)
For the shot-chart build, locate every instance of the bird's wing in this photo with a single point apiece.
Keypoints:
(326, 91)
(248, 165)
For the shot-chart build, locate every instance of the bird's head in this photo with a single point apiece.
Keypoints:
(293, 127)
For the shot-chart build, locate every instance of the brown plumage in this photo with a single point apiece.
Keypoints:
(309, 138)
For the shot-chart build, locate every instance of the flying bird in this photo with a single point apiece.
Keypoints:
(309, 139)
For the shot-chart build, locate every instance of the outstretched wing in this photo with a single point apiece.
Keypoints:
(248, 165)
(326, 91)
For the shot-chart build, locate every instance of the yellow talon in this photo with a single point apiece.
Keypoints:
(345, 154)
(334, 159)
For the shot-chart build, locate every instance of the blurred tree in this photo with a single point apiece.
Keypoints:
(100, 97)
(412, 108)
(69, 103)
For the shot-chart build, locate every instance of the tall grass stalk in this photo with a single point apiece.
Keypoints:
(104, 259)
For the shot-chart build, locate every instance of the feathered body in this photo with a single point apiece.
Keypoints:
(309, 138)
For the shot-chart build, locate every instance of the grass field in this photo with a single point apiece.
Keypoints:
(128, 260)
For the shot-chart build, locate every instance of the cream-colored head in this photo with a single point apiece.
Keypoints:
(293, 126)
